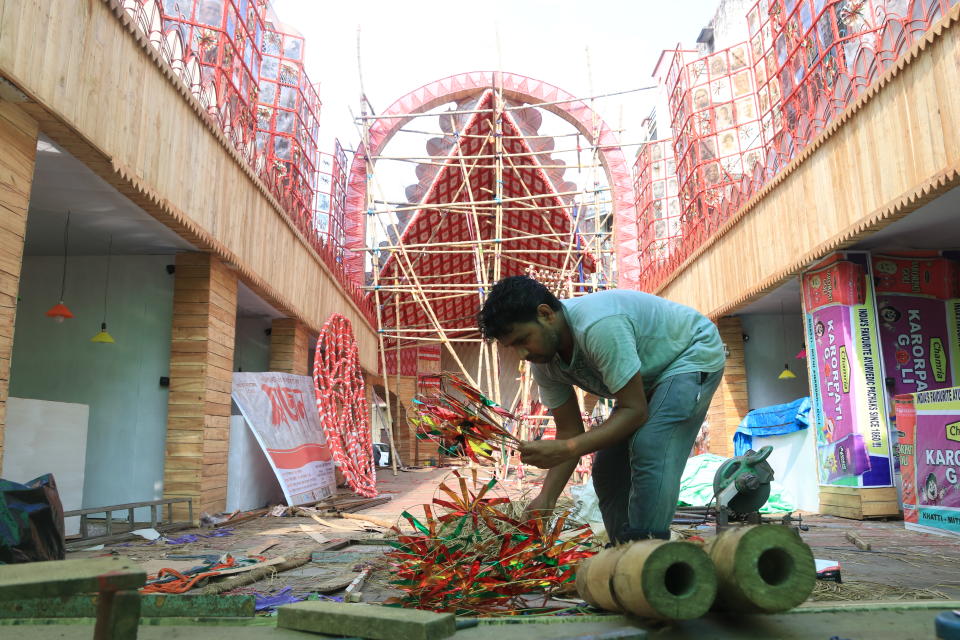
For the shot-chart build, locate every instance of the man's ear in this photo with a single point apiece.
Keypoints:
(546, 313)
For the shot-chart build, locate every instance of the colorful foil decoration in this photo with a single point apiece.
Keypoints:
(468, 556)
(467, 424)
(341, 401)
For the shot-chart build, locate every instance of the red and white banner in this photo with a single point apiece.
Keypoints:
(279, 409)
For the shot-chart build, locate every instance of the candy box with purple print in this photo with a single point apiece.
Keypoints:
(915, 339)
(846, 384)
(930, 445)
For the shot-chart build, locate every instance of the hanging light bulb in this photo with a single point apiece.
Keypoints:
(59, 312)
(104, 336)
(786, 374)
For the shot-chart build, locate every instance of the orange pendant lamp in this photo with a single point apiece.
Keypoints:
(59, 312)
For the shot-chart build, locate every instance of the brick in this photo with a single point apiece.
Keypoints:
(366, 621)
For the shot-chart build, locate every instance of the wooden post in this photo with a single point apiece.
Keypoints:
(289, 346)
(729, 404)
(18, 149)
(201, 376)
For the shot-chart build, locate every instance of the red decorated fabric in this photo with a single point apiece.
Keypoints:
(342, 403)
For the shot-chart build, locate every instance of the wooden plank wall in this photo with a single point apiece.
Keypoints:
(18, 149)
(407, 445)
(289, 346)
(104, 94)
(201, 376)
(730, 403)
(895, 149)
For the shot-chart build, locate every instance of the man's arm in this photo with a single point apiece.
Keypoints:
(631, 413)
(569, 425)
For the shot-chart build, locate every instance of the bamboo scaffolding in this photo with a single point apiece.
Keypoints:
(404, 285)
(383, 353)
(493, 156)
(446, 163)
(466, 205)
(494, 356)
(516, 108)
(371, 178)
(467, 243)
(444, 134)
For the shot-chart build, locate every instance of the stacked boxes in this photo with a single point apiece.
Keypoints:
(853, 446)
(658, 204)
(878, 326)
(917, 310)
(929, 426)
(226, 36)
(288, 122)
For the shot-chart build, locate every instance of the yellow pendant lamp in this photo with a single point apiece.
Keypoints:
(104, 337)
(786, 374)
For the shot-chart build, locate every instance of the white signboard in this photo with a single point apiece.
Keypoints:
(281, 411)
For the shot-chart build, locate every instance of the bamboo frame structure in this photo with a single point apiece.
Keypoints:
(483, 142)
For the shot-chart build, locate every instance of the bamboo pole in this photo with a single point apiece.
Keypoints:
(517, 108)
(376, 297)
(396, 300)
(411, 273)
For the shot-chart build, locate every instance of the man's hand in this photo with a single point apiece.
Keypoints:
(547, 454)
(540, 507)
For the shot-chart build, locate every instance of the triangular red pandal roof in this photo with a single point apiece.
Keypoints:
(456, 309)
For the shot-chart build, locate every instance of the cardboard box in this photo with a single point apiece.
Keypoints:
(915, 340)
(833, 281)
(848, 400)
(916, 273)
(929, 447)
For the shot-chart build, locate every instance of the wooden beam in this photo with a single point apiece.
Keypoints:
(201, 370)
(18, 148)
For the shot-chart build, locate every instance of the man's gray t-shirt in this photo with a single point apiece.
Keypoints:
(619, 332)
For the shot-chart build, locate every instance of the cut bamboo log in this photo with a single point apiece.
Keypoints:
(650, 578)
(665, 580)
(594, 579)
(762, 569)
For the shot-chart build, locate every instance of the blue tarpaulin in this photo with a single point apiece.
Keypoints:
(771, 421)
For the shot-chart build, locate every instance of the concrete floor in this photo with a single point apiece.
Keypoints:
(903, 564)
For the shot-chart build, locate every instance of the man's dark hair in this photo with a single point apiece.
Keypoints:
(514, 299)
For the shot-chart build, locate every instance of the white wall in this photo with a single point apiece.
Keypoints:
(774, 341)
(251, 482)
(42, 437)
(119, 382)
(251, 351)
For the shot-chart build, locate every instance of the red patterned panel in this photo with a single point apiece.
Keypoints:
(456, 304)
(521, 90)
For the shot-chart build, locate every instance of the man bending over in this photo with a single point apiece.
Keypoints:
(660, 361)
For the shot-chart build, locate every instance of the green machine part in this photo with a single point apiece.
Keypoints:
(743, 483)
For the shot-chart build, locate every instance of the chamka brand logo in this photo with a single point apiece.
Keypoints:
(953, 431)
(844, 370)
(938, 360)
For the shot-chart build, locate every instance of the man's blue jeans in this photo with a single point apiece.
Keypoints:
(638, 481)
